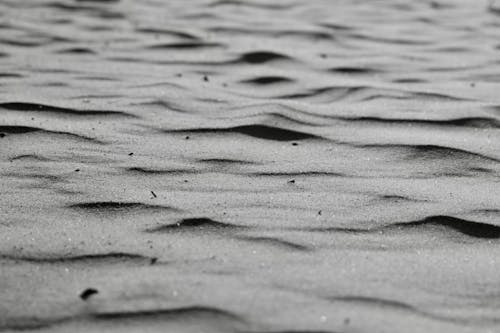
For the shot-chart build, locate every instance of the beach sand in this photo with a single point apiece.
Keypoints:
(249, 166)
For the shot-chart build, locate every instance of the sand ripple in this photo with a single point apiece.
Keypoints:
(249, 166)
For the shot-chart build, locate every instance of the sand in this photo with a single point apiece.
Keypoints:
(249, 166)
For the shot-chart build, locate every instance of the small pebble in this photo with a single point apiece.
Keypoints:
(87, 293)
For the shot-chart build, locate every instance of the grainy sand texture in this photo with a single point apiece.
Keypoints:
(249, 166)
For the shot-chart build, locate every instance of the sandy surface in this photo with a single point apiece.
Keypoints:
(249, 166)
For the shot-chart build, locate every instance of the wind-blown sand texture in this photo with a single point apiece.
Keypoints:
(249, 166)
